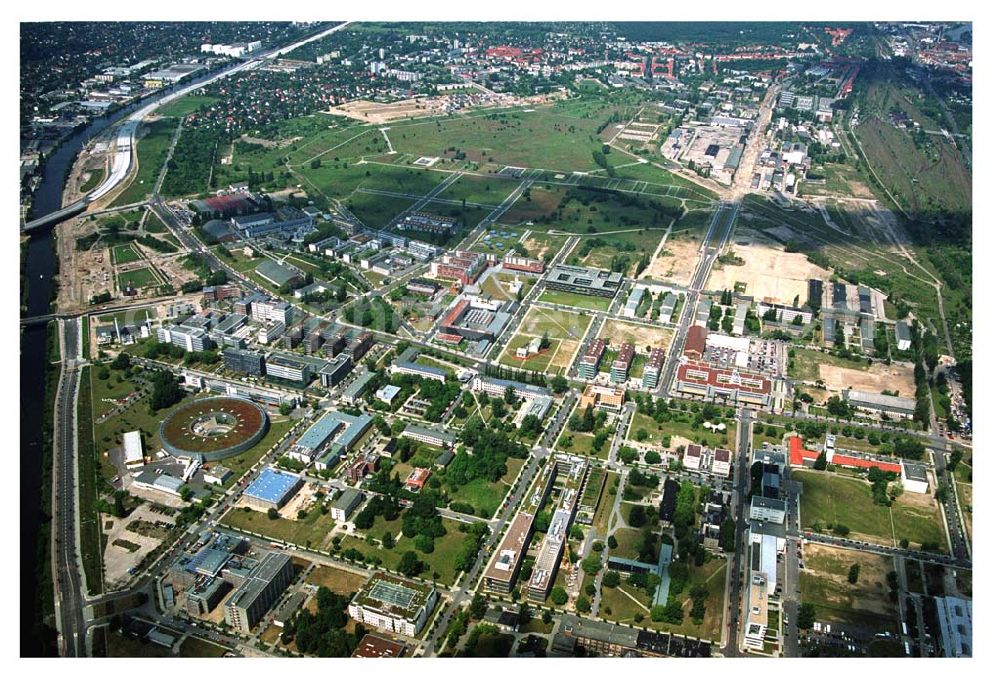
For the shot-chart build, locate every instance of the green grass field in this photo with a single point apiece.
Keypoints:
(538, 362)
(482, 189)
(560, 137)
(582, 444)
(124, 253)
(187, 104)
(831, 499)
(440, 562)
(484, 496)
(152, 152)
(139, 278)
(310, 532)
(562, 324)
(93, 180)
(805, 364)
(575, 300)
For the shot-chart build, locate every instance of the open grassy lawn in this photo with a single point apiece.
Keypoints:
(560, 324)
(199, 648)
(339, 581)
(657, 432)
(618, 606)
(496, 286)
(152, 153)
(310, 532)
(93, 180)
(965, 505)
(537, 362)
(805, 364)
(824, 584)
(589, 212)
(544, 244)
(831, 499)
(187, 104)
(376, 211)
(124, 253)
(120, 646)
(482, 189)
(138, 278)
(484, 496)
(440, 562)
(576, 300)
(713, 575)
(602, 249)
(552, 136)
(582, 444)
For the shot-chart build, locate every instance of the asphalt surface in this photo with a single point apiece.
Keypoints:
(741, 477)
(69, 584)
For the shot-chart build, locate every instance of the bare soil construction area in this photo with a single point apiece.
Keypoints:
(875, 379)
(643, 336)
(768, 273)
(675, 261)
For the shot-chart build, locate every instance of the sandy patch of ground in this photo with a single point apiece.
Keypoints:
(643, 336)
(118, 560)
(768, 273)
(538, 247)
(676, 260)
(877, 378)
(868, 594)
(563, 357)
(302, 500)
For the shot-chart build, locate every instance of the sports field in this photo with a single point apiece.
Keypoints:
(830, 499)
(138, 278)
(124, 253)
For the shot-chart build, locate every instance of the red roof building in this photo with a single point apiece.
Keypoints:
(373, 646)
(694, 344)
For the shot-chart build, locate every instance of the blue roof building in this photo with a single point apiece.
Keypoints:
(271, 489)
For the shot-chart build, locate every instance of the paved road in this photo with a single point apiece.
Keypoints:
(740, 487)
(68, 574)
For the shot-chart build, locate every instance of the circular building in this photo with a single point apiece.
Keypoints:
(213, 428)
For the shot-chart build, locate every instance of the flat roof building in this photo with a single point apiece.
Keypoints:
(394, 604)
(271, 489)
(502, 573)
(581, 280)
(348, 501)
(258, 593)
(132, 446)
(877, 404)
(432, 436)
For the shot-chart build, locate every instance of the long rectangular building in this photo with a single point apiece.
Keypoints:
(580, 280)
(732, 385)
(622, 363)
(258, 593)
(876, 404)
(502, 573)
(651, 370)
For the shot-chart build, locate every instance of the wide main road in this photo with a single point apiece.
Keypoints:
(719, 231)
(66, 564)
(735, 582)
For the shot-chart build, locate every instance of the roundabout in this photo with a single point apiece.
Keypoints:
(213, 428)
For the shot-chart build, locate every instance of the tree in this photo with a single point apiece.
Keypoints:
(653, 458)
(559, 596)
(611, 579)
(478, 607)
(583, 604)
(852, 574)
(388, 542)
(591, 563)
(636, 516)
(410, 564)
(612, 542)
(546, 616)
(272, 513)
(807, 616)
(728, 535)
(559, 384)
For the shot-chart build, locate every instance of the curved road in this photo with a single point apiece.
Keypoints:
(125, 145)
